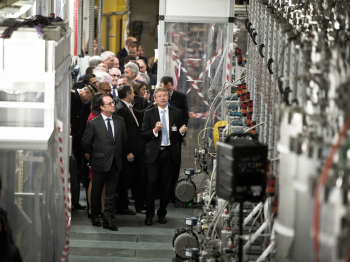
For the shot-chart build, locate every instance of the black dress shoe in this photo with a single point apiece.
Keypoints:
(96, 222)
(149, 221)
(89, 215)
(80, 207)
(162, 220)
(126, 212)
(108, 225)
(140, 211)
(112, 217)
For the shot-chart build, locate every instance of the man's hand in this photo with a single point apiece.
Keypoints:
(159, 126)
(130, 157)
(151, 61)
(87, 156)
(183, 129)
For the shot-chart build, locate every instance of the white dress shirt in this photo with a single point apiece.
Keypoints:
(128, 106)
(167, 124)
(106, 122)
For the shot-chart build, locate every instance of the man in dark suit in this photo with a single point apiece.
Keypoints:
(162, 127)
(78, 98)
(124, 52)
(143, 69)
(178, 100)
(104, 138)
(132, 154)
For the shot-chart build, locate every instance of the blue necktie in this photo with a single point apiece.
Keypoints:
(110, 129)
(169, 100)
(164, 130)
(113, 92)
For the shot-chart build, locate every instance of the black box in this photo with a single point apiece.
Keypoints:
(241, 170)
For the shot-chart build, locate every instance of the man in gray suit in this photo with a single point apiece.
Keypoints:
(104, 138)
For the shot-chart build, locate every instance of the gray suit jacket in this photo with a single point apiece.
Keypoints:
(98, 144)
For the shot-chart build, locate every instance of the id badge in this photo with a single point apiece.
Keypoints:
(173, 128)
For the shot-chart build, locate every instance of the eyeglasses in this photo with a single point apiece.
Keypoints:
(115, 75)
(109, 104)
(106, 90)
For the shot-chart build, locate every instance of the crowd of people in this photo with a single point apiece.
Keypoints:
(126, 135)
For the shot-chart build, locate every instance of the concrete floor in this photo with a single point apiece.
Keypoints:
(133, 242)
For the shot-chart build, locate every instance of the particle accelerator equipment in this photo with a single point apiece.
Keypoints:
(279, 189)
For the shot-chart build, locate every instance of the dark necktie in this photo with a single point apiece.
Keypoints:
(110, 129)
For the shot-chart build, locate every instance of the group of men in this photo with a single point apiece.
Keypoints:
(127, 146)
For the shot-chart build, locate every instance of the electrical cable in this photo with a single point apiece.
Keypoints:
(211, 181)
(217, 219)
(320, 183)
(199, 136)
(217, 96)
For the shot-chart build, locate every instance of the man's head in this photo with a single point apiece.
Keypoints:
(133, 49)
(104, 88)
(95, 60)
(94, 102)
(131, 70)
(161, 97)
(115, 73)
(108, 58)
(167, 83)
(126, 93)
(90, 78)
(103, 76)
(116, 62)
(129, 41)
(85, 94)
(143, 77)
(89, 70)
(106, 105)
(128, 58)
(124, 80)
(101, 67)
(143, 66)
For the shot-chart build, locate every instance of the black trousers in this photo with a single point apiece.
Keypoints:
(111, 178)
(132, 173)
(162, 169)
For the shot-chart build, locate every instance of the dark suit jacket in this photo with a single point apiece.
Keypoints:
(78, 85)
(140, 104)
(96, 142)
(85, 112)
(152, 80)
(122, 53)
(179, 100)
(153, 143)
(133, 144)
(75, 113)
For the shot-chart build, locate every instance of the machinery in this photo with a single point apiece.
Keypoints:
(278, 176)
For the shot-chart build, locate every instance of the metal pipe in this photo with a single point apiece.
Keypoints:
(99, 26)
(91, 27)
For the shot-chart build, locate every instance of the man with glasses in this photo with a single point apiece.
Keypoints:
(115, 73)
(108, 134)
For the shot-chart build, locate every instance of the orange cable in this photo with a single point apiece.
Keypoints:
(320, 183)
